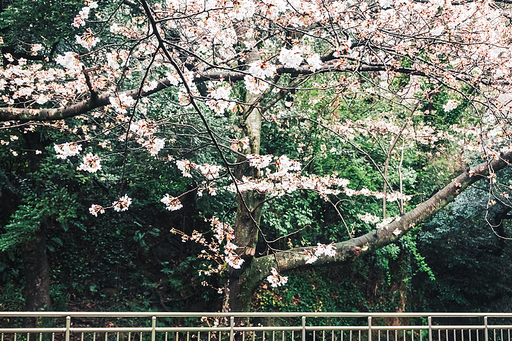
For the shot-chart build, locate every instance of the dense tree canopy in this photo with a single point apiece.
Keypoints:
(306, 133)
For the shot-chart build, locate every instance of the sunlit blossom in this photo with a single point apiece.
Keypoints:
(69, 60)
(91, 163)
(209, 171)
(275, 279)
(314, 62)
(451, 105)
(122, 204)
(291, 58)
(171, 203)
(234, 261)
(66, 150)
(121, 103)
(87, 40)
(95, 209)
(185, 166)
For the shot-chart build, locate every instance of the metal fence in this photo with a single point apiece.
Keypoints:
(122, 326)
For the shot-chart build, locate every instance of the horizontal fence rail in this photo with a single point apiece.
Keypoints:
(151, 326)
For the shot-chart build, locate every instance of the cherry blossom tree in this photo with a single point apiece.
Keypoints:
(271, 61)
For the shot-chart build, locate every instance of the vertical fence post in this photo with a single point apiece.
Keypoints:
(369, 328)
(303, 328)
(68, 325)
(486, 329)
(430, 328)
(231, 328)
(153, 328)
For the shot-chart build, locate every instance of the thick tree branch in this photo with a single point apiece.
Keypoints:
(369, 242)
(26, 114)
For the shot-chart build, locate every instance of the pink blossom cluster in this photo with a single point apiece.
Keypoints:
(321, 250)
(210, 172)
(83, 15)
(95, 209)
(284, 182)
(208, 187)
(185, 166)
(291, 58)
(259, 161)
(386, 222)
(243, 9)
(87, 40)
(154, 145)
(142, 128)
(368, 218)
(379, 126)
(67, 149)
(262, 69)
(219, 101)
(122, 203)
(121, 103)
(231, 258)
(144, 132)
(70, 61)
(35, 85)
(91, 163)
(285, 165)
(451, 105)
(119, 205)
(224, 232)
(275, 279)
(239, 145)
(255, 86)
(171, 203)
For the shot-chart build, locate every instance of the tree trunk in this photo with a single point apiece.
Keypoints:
(250, 203)
(247, 220)
(37, 272)
(401, 290)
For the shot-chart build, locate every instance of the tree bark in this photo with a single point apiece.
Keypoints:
(249, 203)
(37, 272)
(101, 100)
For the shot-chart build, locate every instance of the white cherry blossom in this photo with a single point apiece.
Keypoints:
(122, 203)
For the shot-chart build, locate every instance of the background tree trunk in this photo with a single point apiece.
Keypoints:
(37, 272)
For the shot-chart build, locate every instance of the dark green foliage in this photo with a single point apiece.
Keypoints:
(46, 22)
(117, 261)
(470, 262)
